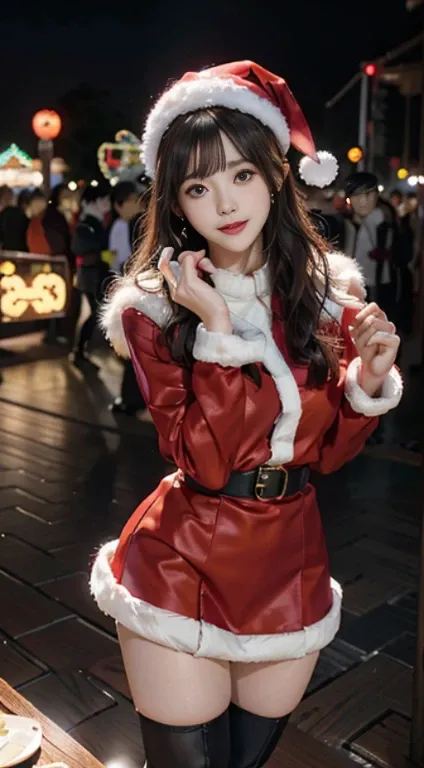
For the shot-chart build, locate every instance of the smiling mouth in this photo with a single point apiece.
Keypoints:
(233, 229)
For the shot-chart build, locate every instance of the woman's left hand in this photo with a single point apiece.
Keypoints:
(377, 344)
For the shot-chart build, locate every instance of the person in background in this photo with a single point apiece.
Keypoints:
(58, 238)
(129, 201)
(327, 220)
(23, 199)
(396, 199)
(13, 222)
(36, 236)
(37, 204)
(88, 242)
(370, 230)
(371, 240)
(56, 226)
(126, 206)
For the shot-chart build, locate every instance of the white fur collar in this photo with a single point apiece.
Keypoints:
(346, 279)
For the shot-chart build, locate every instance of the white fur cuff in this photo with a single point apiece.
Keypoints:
(372, 406)
(227, 349)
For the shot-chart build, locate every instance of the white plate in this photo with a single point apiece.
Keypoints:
(24, 732)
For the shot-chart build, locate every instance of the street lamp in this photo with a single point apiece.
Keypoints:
(46, 125)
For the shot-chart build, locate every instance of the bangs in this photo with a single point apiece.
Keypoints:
(200, 152)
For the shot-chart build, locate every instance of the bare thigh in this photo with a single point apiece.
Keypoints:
(172, 687)
(271, 689)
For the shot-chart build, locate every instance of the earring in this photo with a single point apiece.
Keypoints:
(272, 199)
(183, 231)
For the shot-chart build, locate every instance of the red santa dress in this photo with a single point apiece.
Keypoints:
(218, 576)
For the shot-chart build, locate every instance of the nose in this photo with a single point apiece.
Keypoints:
(226, 205)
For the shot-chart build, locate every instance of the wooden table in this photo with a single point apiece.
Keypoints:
(57, 746)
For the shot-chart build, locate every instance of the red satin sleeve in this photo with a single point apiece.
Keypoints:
(350, 430)
(199, 413)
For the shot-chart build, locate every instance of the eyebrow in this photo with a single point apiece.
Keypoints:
(230, 165)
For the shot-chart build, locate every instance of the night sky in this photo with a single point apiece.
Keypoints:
(131, 50)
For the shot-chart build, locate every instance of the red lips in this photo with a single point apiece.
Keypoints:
(233, 229)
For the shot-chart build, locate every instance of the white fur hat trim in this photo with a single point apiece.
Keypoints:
(203, 92)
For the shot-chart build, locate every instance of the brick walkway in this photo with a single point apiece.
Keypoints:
(71, 474)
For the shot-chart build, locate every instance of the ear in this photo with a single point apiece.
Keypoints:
(178, 211)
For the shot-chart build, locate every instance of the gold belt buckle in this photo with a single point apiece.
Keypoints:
(263, 476)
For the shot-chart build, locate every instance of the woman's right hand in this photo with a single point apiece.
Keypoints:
(189, 290)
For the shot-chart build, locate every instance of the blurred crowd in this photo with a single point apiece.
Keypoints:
(96, 228)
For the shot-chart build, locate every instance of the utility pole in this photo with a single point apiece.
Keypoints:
(363, 119)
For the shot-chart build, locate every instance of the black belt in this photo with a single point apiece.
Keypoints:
(263, 483)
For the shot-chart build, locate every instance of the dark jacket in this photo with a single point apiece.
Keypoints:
(13, 229)
(57, 233)
(88, 241)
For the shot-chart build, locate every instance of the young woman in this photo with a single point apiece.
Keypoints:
(259, 361)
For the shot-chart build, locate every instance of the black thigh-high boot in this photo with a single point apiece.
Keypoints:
(253, 738)
(187, 746)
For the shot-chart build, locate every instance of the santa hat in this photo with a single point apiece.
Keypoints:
(249, 88)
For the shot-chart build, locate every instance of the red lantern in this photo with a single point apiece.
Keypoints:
(46, 124)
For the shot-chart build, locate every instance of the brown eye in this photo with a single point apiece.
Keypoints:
(244, 176)
(196, 190)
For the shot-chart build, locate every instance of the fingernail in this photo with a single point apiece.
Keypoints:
(166, 253)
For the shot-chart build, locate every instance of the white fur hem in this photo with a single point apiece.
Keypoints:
(204, 92)
(372, 406)
(226, 349)
(200, 638)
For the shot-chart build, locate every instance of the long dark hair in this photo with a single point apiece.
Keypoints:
(292, 245)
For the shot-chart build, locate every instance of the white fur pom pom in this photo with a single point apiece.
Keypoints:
(319, 174)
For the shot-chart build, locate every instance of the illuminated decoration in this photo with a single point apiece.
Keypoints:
(17, 169)
(355, 154)
(73, 186)
(370, 70)
(402, 173)
(116, 157)
(46, 124)
(13, 155)
(32, 287)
